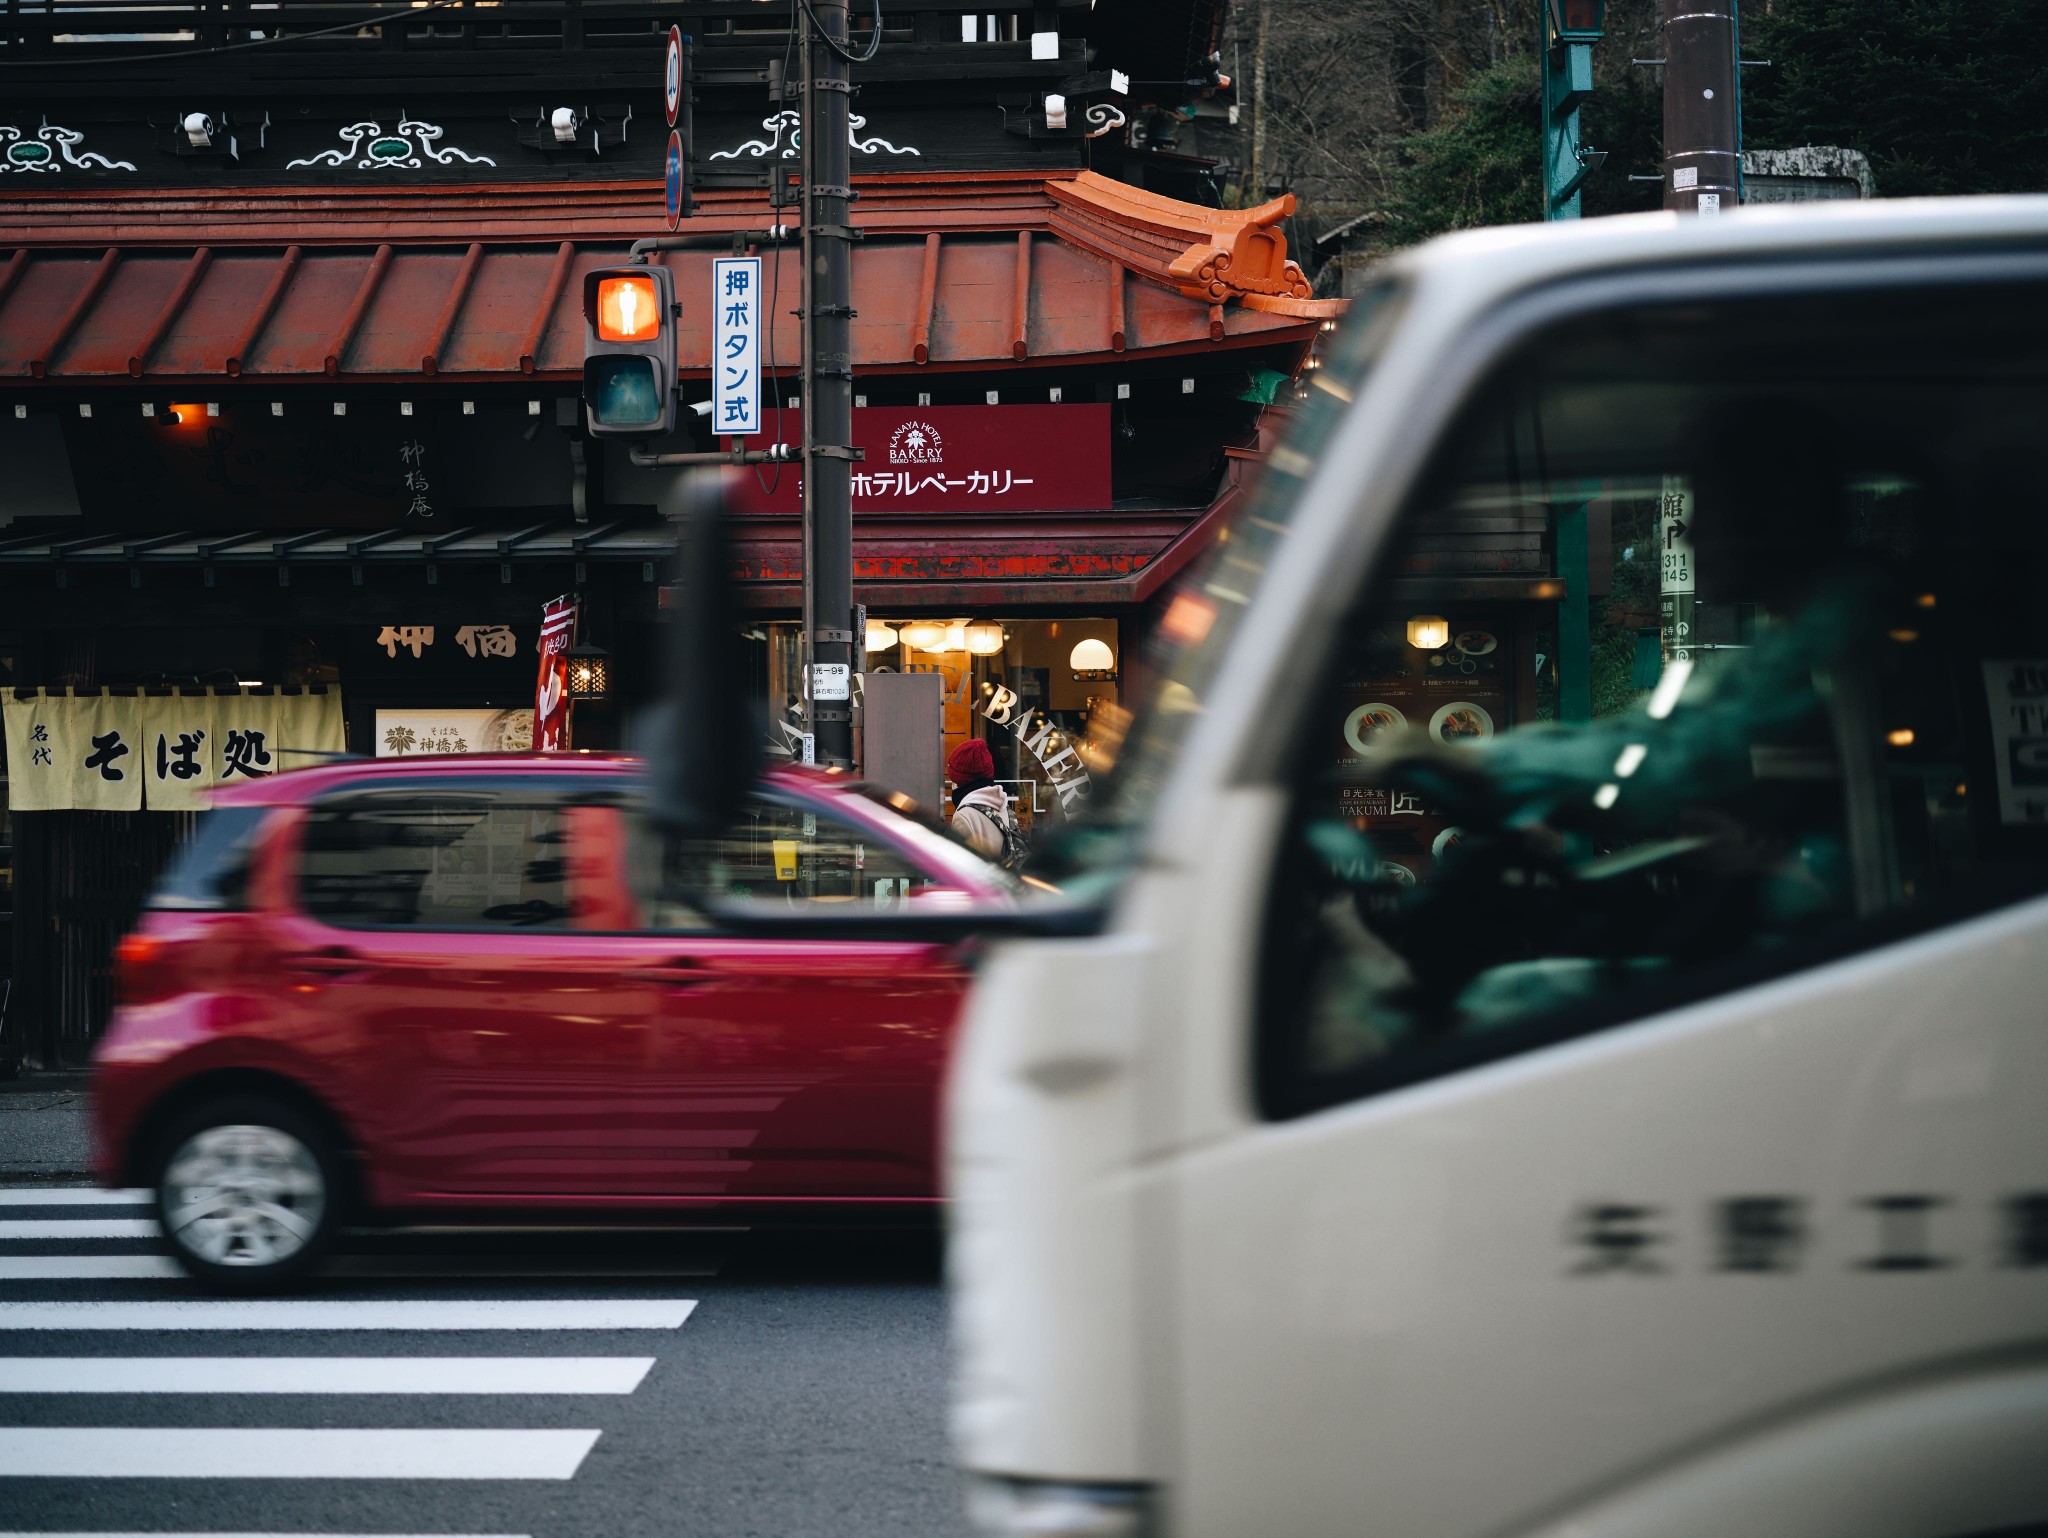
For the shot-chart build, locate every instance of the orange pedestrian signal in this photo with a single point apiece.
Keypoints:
(629, 351)
(628, 309)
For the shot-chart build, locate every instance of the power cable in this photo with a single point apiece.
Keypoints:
(874, 37)
(380, 19)
(770, 482)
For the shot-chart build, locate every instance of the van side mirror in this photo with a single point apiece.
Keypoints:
(703, 743)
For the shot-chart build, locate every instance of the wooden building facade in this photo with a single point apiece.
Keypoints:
(290, 347)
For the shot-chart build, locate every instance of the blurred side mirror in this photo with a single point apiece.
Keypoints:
(703, 743)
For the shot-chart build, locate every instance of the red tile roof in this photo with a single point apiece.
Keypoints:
(957, 272)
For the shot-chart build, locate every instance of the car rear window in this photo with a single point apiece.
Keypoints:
(211, 872)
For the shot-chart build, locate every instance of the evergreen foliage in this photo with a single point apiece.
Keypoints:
(1944, 96)
(1479, 166)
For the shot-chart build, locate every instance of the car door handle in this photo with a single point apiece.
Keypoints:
(683, 973)
(328, 963)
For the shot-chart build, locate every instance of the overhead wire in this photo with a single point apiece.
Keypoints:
(179, 55)
(833, 43)
(771, 481)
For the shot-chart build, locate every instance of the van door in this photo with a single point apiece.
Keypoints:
(1644, 1053)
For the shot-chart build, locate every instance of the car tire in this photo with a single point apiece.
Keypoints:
(249, 1191)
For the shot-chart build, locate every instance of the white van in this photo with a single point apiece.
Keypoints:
(1563, 1049)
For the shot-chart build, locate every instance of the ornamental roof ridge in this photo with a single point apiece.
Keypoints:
(1213, 254)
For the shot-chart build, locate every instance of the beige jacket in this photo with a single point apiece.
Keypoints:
(978, 819)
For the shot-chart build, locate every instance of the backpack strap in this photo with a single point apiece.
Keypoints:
(986, 816)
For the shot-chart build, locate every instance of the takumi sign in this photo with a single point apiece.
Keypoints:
(959, 459)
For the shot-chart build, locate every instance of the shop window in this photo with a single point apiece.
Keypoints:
(1682, 676)
(1041, 692)
(436, 863)
(775, 853)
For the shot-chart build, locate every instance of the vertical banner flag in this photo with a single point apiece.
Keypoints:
(551, 693)
(736, 345)
(179, 745)
(45, 750)
(108, 777)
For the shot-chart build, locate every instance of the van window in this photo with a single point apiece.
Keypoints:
(1089, 855)
(1711, 648)
(436, 862)
(212, 871)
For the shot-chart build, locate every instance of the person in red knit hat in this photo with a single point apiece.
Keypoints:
(981, 812)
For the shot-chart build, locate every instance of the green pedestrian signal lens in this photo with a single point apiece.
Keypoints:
(623, 391)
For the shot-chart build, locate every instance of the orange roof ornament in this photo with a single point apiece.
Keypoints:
(1215, 254)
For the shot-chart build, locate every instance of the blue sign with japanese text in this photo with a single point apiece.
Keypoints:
(673, 189)
(736, 301)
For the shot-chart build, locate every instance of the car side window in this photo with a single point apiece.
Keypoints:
(1708, 651)
(777, 853)
(454, 861)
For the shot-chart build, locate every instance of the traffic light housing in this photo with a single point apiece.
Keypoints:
(629, 351)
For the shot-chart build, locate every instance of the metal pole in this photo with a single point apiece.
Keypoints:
(828, 384)
(1566, 59)
(1574, 613)
(1255, 193)
(806, 385)
(1702, 139)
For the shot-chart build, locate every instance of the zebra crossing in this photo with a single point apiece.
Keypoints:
(99, 1273)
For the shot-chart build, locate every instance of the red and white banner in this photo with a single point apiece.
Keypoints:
(551, 693)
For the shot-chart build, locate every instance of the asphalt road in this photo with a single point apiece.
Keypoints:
(43, 1129)
(727, 1384)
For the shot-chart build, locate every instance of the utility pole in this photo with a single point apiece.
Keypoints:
(828, 383)
(1702, 108)
(1256, 192)
(1569, 30)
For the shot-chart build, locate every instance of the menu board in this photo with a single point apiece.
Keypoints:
(1456, 694)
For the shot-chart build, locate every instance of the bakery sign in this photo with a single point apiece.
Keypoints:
(953, 459)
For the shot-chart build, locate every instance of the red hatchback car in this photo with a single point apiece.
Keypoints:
(379, 992)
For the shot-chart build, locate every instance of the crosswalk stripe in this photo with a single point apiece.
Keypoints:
(121, 1268)
(81, 1268)
(353, 1314)
(322, 1375)
(262, 1452)
(79, 1228)
(72, 1196)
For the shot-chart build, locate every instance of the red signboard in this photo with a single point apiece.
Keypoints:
(952, 459)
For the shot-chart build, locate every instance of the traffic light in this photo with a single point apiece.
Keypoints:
(629, 351)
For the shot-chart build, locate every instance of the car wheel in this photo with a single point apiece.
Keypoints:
(249, 1192)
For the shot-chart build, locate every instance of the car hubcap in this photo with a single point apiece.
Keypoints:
(243, 1195)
